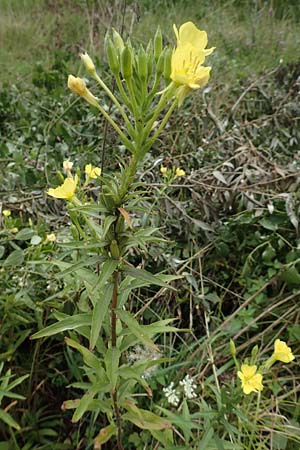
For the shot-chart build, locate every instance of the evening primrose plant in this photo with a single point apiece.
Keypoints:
(150, 84)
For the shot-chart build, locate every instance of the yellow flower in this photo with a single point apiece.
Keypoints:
(189, 34)
(78, 86)
(251, 381)
(87, 61)
(179, 172)
(67, 165)
(187, 70)
(92, 172)
(282, 352)
(14, 230)
(66, 190)
(163, 170)
(51, 237)
(6, 212)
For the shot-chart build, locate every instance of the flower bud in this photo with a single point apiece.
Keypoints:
(149, 53)
(167, 65)
(232, 348)
(118, 41)
(112, 56)
(142, 64)
(78, 86)
(160, 64)
(126, 63)
(114, 249)
(157, 44)
(87, 61)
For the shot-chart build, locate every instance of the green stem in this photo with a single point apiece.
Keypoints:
(161, 127)
(122, 91)
(133, 99)
(116, 102)
(125, 140)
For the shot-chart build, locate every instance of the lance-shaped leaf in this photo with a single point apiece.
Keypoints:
(145, 276)
(107, 270)
(146, 420)
(69, 323)
(104, 435)
(102, 300)
(88, 357)
(111, 360)
(83, 406)
(9, 420)
(136, 329)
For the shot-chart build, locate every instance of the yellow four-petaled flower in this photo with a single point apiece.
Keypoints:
(187, 70)
(282, 352)
(92, 172)
(66, 190)
(251, 381)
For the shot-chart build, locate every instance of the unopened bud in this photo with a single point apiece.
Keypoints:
(157, 44)
(142, 64)
(118, 41)
(87, 61)
(126, 63)
(78, 86)
(232, 348)
(112, 56)
(167, 64)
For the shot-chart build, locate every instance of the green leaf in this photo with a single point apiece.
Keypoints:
(145, 276)
(146, 420)
(105, 435)
(70, 323)
(88, 357)
(6, 418)
(83, 406)
(136, 329)
(2, 250)
(107, 270)
(291, 275)
(112, 358)
(101, 304)
(206, 439)
(107, 224)
(16, 258)
(35, 240)
(25, 234)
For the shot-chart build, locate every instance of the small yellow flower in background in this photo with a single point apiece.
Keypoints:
(6, 212)
(92, 172)
(78, 86)
(51, 237)
(87, 61)
(187, 71)
(67, 165)
(14, 230)
(282, 352)
(179, 172)
(163, 170)
(66, 190)
(251, 381)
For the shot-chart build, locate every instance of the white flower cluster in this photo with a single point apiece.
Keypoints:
(188, 387)
(171, 394)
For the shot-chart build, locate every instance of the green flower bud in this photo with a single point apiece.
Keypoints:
(126, 63)
(157, 44)
(232, 348)
(149, 52)
(254, 352)
(112, 56)
(114, 249)
(142, 64)
(118, 41)
(167, 65)
(160, 65)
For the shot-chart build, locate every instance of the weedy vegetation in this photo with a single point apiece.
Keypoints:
(154, 302)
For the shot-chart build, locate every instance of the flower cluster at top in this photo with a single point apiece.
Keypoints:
(67, 189)
(252, 379)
